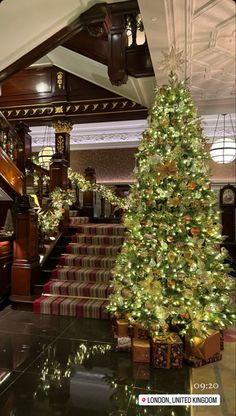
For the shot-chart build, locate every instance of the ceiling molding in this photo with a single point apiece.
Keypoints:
(119, 134)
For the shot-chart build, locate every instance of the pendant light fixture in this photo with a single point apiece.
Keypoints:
(223, 148)
(47, 151)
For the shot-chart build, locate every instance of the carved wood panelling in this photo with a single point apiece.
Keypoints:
(62, 94)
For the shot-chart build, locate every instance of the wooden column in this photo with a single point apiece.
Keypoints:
(58, 172)
(25, 268)
(62, 138)
(88, 208)
(117, 43)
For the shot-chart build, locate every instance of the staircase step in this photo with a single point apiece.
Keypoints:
(97, 239)
(80, 280)
(72, 288)
(71, 306)
(92, 250)
(82, 274)
(73, 213)
(101, 229)
(87, 261)
(74, 221)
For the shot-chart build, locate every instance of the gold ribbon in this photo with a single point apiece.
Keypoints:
(168, 169)
(165, 338)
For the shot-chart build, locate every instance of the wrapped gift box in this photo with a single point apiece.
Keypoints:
(140, 332)
(198, 362)
(167, 351)
(123, 344)
(122, 328)
(140, 350)
(203, 348)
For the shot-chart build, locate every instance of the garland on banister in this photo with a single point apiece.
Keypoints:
(85, 185)
(49, 220)
(59, 199)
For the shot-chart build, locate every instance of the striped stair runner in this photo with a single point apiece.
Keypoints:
(81, 282)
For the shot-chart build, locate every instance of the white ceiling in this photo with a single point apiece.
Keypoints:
(205, 30)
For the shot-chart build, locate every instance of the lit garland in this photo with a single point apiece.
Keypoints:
(171, 272)
(49, 220)
(85, 185)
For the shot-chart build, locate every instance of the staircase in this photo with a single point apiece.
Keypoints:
(81, 283)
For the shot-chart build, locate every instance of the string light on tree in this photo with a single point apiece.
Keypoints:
(171, 258)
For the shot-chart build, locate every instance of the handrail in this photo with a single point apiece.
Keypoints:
(37, 168)
(11, 174)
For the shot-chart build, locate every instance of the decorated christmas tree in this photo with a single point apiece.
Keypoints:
(171, 271)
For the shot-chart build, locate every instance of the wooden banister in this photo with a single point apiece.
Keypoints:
(11, 174)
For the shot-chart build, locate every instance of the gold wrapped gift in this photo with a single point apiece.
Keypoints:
(203, 348)
(140, 350)
(122, 326)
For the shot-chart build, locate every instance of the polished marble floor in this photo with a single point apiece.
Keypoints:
(54, 366)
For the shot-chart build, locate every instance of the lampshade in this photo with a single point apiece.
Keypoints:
(45, 156)
(223, 148)
(47, 151)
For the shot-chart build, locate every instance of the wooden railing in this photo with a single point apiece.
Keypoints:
(40, 177)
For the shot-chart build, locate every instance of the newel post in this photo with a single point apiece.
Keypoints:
(59, 178)
(58, 172)
(25, 268)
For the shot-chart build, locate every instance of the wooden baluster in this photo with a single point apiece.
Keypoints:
(133, 24)
(102, 208)
(40, 189)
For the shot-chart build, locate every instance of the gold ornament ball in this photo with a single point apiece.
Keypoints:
(126, 293)
(179, 244)
(148, 305)
(187, 219)
(191, 186)
(143, 222)
(151, 203)
(170, 238)
(171, 257)
(164, 122)
(195, 231)
(154, 327)
(171, 283)
(185, 316)
(165, 327)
